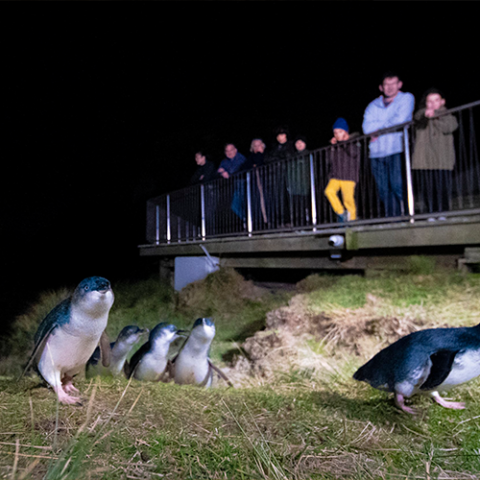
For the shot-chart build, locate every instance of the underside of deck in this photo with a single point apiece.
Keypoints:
(453, 242)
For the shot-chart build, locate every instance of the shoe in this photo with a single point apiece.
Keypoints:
(344, 217)
(431, 219)
(442, 218)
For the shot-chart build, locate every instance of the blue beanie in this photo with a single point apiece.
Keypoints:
(341, 123)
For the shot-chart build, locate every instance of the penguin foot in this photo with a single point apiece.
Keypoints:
(64, 397)
(446, 404)
(400, 403)
(69, 388)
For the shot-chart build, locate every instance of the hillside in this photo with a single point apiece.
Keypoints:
(295, 411)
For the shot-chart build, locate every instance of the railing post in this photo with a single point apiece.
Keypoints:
(169, 233)
(202, 207)
(411, 206)
(249, 206)
(313, 194)
(157, 224)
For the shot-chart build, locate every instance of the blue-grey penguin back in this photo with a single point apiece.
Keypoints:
(421, 358)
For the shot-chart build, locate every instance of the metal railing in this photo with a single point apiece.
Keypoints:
(290, 195)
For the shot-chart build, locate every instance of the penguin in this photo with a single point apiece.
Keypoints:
(150, 362)
(428, 361)
(192, 365)
(69, 334)
(126, 340)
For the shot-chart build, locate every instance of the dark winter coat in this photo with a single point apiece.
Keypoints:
(207, 171)
(280, 151)
(434, 148)
(344, 160)
(254, 160)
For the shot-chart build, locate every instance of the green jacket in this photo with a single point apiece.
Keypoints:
(298, 174)
(434, 148)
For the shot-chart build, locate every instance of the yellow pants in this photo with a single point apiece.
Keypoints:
(347, 188)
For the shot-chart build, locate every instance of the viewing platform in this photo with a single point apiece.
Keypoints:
(277, 215)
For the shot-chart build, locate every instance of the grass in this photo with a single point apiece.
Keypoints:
(304, 418)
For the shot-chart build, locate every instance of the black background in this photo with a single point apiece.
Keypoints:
(103, 110)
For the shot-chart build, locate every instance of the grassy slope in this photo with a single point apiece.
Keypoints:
(311, 420)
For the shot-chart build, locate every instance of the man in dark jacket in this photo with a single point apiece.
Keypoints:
(205, 171)
(344, 162)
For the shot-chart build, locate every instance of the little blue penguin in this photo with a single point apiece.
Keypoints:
(69, 334)
(150, 362)
(428, 361)
(120, 349)
(192, 365)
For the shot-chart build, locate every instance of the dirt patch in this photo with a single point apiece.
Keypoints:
(222, 291)
(357, 332)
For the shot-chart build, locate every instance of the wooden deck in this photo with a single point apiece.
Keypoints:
(366, 247)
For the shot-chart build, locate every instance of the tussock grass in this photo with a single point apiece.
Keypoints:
(296, 412)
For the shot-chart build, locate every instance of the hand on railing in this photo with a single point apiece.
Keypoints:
(223, 173)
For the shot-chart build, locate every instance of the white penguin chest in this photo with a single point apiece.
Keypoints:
(116, 364)
(465, 367)
(70, 345)
(190, 369)
(67, 353)
(150, 368)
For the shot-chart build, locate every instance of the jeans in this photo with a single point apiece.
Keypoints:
(388, 175)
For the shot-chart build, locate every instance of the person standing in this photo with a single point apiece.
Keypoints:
(392, 107)
(256, 156)
(298, 183)
(233, 161)
(205, 171)
(281, 149)
(344, 163)
(434, 151)
(255, 161)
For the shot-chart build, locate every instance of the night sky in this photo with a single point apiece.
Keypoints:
(101, 115)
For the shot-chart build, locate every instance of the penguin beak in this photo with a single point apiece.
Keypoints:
(182, 333)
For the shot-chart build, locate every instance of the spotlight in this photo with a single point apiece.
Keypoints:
(336, 241)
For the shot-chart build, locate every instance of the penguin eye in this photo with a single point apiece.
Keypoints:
(86, 288)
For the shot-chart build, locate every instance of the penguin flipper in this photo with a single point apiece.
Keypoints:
(57, 316)
(442, 362)
(126, 369)
(208, 379)
(136, 359)
(220, 374)
(105, 349)
(38, 346)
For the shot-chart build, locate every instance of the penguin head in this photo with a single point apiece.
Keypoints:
(94, 294)
(131, 334)
(203, 329)
(164, 332)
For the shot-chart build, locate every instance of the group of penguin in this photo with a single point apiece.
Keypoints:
(151, 362)
(427, 361)
(72, 338)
